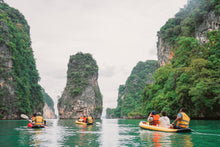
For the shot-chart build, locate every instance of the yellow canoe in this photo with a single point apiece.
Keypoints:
(80, 123)
(145, 125)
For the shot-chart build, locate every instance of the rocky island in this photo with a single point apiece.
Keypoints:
(81, 95)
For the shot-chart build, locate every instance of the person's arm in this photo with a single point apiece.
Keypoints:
(149, 116)
(178, 118)
(45, 122)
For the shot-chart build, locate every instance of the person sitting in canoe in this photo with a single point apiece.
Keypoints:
(90, 119)
(182, 120)
(84, 119)
(164, 121)
(153, 118)
(39, 120)
(81, 119)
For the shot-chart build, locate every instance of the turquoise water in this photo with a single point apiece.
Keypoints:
(106, 133)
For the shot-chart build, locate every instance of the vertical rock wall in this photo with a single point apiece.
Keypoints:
(211, 22)
(82, 94)
(48, 112)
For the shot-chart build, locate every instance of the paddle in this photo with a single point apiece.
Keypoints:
(25, 117)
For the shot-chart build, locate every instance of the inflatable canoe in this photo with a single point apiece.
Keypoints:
(82, 123)
(145, 125)
(30, 125)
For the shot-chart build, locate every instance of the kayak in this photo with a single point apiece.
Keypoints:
(30, 125)
(82, 123)
(145, 125)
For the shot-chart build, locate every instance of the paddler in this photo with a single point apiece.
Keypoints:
(182, 120)
(90, 119)
(153, 118)
(39, 121)
(84, 119)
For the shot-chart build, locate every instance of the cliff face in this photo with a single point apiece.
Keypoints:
(19, 88)
(163, 51)
(211, 21)
(82, 94)
(48, 110)
(7, 87)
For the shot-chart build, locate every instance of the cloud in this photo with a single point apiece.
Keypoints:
(107, 71)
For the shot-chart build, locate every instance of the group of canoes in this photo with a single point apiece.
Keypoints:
(37, 121)
(155, 122)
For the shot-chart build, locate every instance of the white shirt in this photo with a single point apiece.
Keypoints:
(164, 121)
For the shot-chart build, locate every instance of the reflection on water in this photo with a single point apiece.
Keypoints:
(53, 134)
(110, 133)
(160, 139)
(155, 138)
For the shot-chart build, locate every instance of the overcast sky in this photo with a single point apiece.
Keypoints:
(118, 34)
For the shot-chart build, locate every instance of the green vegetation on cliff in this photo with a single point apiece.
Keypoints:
(48, 100)
(192, 79)
(23, 76)
(80, 66)
(129, 95)
(188, 19)
(81, 95)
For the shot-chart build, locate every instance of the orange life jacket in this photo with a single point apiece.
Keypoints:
(156, 119)
(84, 119)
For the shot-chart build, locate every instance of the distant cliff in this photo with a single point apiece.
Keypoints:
(48, 110)
(195, 20)
(19, 88)
(129, 95)
(81, 95)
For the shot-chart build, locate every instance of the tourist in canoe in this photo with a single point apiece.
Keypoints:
(182, 120)
(81, 119)
(164, 121)
(90, 119)
(84, 119)
(153, 118)
(39, 120)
